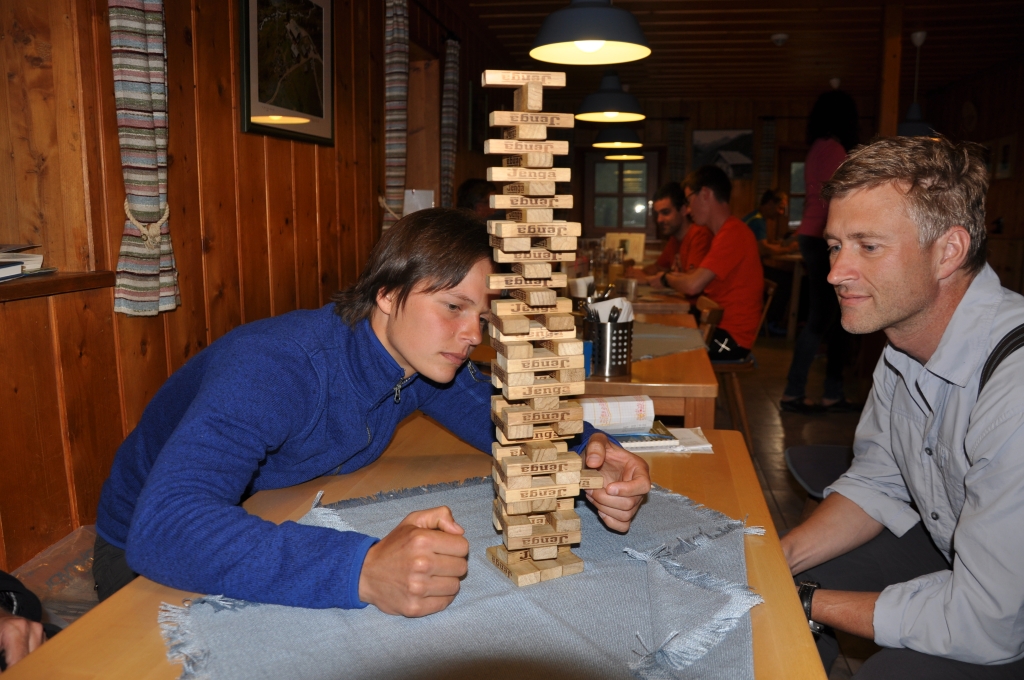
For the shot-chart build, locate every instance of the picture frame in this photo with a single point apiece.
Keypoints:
(1004, 157)
(287, 69)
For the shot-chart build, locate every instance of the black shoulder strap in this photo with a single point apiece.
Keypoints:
(1010, 343)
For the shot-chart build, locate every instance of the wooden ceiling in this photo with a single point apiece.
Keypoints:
(723, 49)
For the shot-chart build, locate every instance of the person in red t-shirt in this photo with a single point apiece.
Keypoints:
(730, 274)
(687, 243)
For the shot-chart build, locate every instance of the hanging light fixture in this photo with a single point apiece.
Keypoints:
(611, 103)
(624, 157)
(617, 138)
(912, 125)
(590, 32)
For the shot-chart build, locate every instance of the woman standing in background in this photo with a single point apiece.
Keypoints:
(831, 133)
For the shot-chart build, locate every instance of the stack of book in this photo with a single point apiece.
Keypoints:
(15, 263)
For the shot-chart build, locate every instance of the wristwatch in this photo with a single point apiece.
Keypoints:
(664, 279)
(806, 592)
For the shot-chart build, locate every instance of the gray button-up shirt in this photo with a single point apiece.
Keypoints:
(929, 449)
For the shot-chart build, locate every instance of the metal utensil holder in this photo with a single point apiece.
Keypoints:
(613, 348)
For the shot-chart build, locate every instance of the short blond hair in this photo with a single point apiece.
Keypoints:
(944, 185)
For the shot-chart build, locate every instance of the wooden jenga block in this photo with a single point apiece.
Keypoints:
(510, 481)
(549, 569)
(546, 553)
(530, 189)
(544, 505)
(513, 525)
(512, 379)
(506, 308)
(521, 573)
(557, 120)
(531, 132)
(516, 556)
(514, 432)
(512, 324)
(497, 523)
(519, 147)
(565, 427)
(500, 452)
(532, 270)
(522, 465)
(543, 535)
(564, 520)
(536, 297)
(512, 350)
(530, 215)
(544, 403)
(523, 202)
(542, 360)
(558, 243)
(505, 228)
(529, 160)
(570, 563)
(540, 451)
(528, 97)
(536, 332)
(567, 477)
(521, 174)
(541, 433)
(571, 375)
(510, 245)
(538, 491)
(495, 78)
(514, 415)
(566, 503)
(591, 479)
(560, 321)
(563, 348)
(509, 281)
(543, 387)
(538, 519)
(533, 255)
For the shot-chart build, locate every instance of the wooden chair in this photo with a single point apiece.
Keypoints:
(710, 317)
(729, 372)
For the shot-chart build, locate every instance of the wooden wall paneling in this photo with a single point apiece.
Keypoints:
(8, 192)
(280, 228)
(34, 117)
(423, 139)
(304, 203)
(376, 101)
(253, 255)
(215, 123)
(345, 45)
(188, 326)
(366, 230)
(892, 49)
(35, 507)
(329, 238)
(83, 334)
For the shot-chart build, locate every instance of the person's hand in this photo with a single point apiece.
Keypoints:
(654, 281)
(627, 480)
(415, 569)
(18, 637)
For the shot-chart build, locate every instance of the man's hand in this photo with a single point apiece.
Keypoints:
(627, 480)
(18, 637)
(415, 570)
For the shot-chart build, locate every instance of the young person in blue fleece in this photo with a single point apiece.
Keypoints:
(281, 401)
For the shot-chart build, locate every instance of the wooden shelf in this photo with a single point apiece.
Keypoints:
(54, 284)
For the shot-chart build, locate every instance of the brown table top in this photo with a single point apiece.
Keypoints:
(121, 638)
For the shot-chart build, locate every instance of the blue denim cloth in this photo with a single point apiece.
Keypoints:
(674, 606)
(822, 325)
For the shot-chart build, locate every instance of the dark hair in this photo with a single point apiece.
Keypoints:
(943, 185)
(474, 191)
(772, 196)
(673, 191)
(714, 178)
(436, 245)
(834, 115)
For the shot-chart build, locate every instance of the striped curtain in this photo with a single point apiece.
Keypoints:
(396, 102)
(449, 121)
(147, 281)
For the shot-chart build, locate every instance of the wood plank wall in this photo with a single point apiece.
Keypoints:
(260, 226)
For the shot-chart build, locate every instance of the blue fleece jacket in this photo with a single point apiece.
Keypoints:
(271, 404)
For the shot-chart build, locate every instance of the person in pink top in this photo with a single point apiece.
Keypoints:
(831, 132)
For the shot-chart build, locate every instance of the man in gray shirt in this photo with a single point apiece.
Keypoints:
(919, 546)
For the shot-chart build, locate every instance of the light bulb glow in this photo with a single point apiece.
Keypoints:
(279, 120)
(624, 157)
(611, 114)
(612, 52)
(588, 45)
(639, 207)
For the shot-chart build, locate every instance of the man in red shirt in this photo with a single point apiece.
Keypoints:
(730, 274)
(687, 243)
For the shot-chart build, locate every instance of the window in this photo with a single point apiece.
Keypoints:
(618, 194)
(797, 194)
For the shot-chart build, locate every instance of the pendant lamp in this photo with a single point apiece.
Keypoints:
(617, 138)
(610, 104)
(912, 125)
(588, 33)
(624, 157)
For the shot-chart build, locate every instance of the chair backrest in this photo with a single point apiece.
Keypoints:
(769, 293)
(710, 316)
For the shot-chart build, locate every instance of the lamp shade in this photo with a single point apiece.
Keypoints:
(590, 32)
(617, 138)
(610, 104)
(624, 157)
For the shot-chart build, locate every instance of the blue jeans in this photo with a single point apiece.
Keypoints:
(822, 325)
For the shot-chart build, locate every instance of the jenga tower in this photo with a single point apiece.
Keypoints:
(533, 332)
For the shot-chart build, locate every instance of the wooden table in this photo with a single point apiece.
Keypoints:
(120, 639)
(794, 261)
(660, 301)
(681, 384)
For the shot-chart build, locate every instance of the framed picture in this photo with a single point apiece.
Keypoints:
(1005, 148)
(288, 69)
(731, 150)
